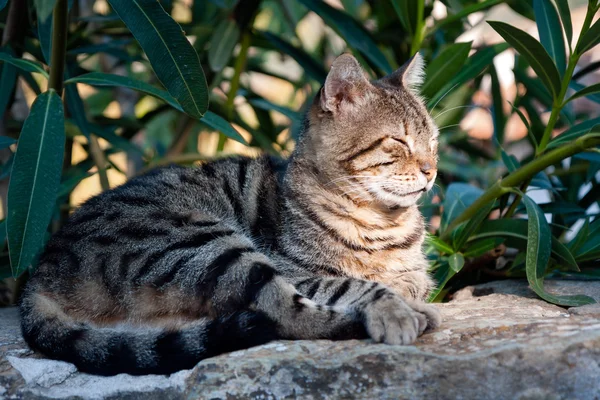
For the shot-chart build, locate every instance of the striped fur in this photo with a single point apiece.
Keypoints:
(181, 264)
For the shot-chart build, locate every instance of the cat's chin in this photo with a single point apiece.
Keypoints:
(395, 200)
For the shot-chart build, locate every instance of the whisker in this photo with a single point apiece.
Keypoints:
(442, 98)
(452, 109)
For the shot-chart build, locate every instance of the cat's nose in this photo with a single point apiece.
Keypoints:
(428, 170)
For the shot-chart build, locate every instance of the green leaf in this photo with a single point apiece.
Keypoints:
(458, 197)
(590, 126)
(25, 65)
(172, 57)
(8, 79)
(267, 105)
(442, 275)
(456, 261)
(590, 39)
(351, 31)
(538, 254)
(408, 14)
(473, 67)
(111, 80)
(472, 225)
(439, 244)
(498, 117)
(3, 4)
(565, 16)
(225, 37)
(480, 247)
(6, 141)
(593, 89)
(515, 231)
(44, 10)
(447, 64)
(311, 67)
(533, 52)
(35, 179)
(220, 124)
(551, 36)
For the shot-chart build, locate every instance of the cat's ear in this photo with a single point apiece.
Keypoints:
(410, 76)
(345, 84)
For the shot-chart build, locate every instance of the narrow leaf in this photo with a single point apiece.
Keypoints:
(590, 39)
(565, 16)
(581, 129)
(225, 37)
(448, 63)
(473, 67)
(463, 235)
(498, 117)
(8, 79)
(593, 89)
(439, 244)
(111, 80)
(480, 247)
(172, 57)
(6, 141)
(533, 52)
(538, 255)
(3, 4)
(44, 26)
(25, 65)
(551, 36)
(218, 123)
(35, 179)
(351, 31)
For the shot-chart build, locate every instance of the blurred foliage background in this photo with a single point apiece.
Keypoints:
(95, 92)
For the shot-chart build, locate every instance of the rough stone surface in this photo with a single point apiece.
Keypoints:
(498, 341)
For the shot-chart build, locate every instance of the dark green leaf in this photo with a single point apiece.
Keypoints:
(593, 89)
(533, 52)
(220, 124)
(35, 179)
(456, 261)
(3, 4)
(8, 79)
(267, 105)
(471, 226)
(447, 64)
(6, 141)
(442, 276)
(575, 132)
(25, 65)
(44, 29)
(473, 67)
(516, 231)
(408, 14)
(565, 16)
(480, 247)
(172, 57)
(225, 37)
(458, 197)
(498, 117)
(539, 240)
(590, 39)
(439, 244)
(551, 35)
(351, 31)
(111, 80)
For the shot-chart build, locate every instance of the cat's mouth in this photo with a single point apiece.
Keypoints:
(405, 194)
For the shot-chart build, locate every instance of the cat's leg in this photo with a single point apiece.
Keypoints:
(340, 308)
(377, 303)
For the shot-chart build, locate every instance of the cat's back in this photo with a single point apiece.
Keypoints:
(165, 206)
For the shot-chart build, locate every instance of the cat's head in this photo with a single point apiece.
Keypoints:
(373, 140)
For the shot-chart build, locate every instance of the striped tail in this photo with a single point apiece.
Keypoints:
(136, 351)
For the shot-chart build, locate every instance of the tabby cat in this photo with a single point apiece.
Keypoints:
(181, 264)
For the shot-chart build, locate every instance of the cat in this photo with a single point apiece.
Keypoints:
(182, 264)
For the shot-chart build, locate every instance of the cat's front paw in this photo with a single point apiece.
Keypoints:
(390, 320)
(431, 312)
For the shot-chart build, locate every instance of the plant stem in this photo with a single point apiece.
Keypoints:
(239, 65)
(522, 174)
(419, 29)
(59, 45)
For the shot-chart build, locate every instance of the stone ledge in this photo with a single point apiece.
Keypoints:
(497, 342)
